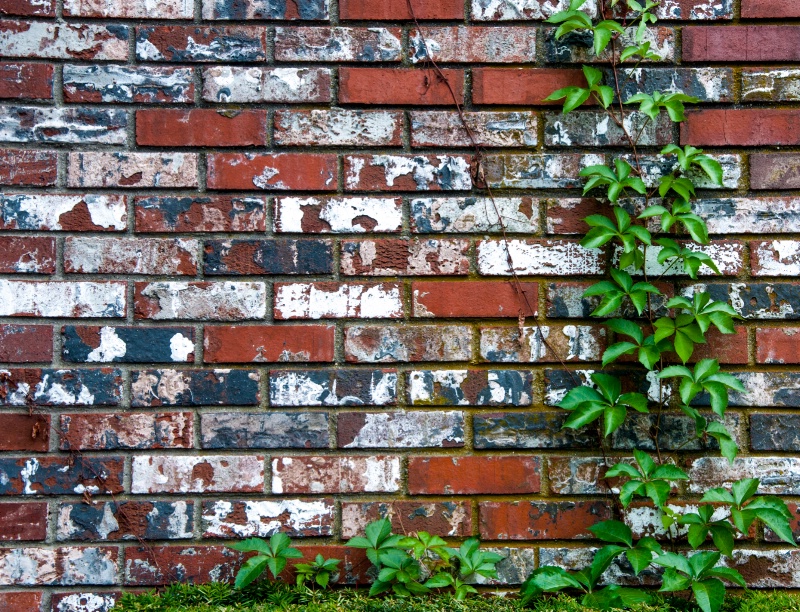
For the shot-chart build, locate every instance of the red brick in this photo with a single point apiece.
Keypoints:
(280, 171)
(747, 127)
(27, 81)
(521, 86)
(126, 431)
(395, 10)
(202, 213)
(540, 520)
(285, 343)
(24, 432)
(27, 167)
(371, 474)
(24, 521)
(770, 9)
(727, 348)
(741, 43)
(473, 475)
(447, 518)
(25, 343)
(155, 565)
(201, 128)
(566, 215)
(29, 255)
(778, 345)
(21, 601)
(393, 86)
(28, 8)
(774, 171)
(474, 299)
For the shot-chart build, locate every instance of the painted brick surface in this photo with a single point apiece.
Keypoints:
(253, 280)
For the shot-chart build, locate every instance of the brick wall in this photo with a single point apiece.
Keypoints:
(248, 282)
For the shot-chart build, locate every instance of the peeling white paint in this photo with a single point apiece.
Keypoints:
(318, 301)
(111, 347)
(265, 518)
(544, 257)
(340, 214)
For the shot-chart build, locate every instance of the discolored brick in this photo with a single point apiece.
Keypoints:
(234, 84)
(126, 431)
(402, 257)
(88, 344)
(469, 388)
(131, 256)
(350, 215)
(50, 212)
(487, 129)
(372, 344)
(19, 167)
(274, 172)
(407, 429)
(449, 518)
(542, 344)
(200, 44)
(265, 9)
(269, 430)
(55, 387)
(528, 430)
(357, 474)
(192, 474)
(473, 44)
(200, 214)
(285, 344)
(407, 173)
(157, 565)
(338, 128)
(127, 520)
(127, 84)
(64, 566)
(195, 388)
(221, 301)
(337, 44)
(472, 475)
(131, 170)
(62, 299)
(538, 257)
(234, 257)
(331, 300)
(474, 215)
(69, 41)
(333, 388)
(294, 517)
(61, 475)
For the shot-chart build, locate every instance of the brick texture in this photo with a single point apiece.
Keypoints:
(251, 280)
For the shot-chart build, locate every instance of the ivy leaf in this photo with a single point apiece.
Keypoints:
(709, 594)
(613, 531)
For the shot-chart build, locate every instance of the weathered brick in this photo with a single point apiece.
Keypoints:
(25, 343)
(449, 518)
(518, 563)
(706, 84)
(473, 475)
(21, 601)
(200, 44)
(407, 429)
(540, 520)
(40, 8)
(595, 129)
(774, 432)
(337, 44)
(489, 129)
(774, 171)
(195, 388)
(332, 300)
(232, 84)
(201, 127)
(44, 39)
(407, 173)
(265, 9)
(29, 255)
(234, 257)
(542, 344)
(127, 520)
(200, 214)
(501, 10)
(469, 388)
(188, 474)
(64, 125)
(61, 475)
(53, 387)
(551, 171)
(744, 127)
(396, 10)
(163, 256)
(775, 258)
(773, 85)
(474, 299)
(409, 344)
(48, 212)
(127, 84)
(402, 257)
(64, 566)
(559, 382)
(566, 215)
(394, 86)
(521, 86)
(474, 215)
(273, 344)
(23, 521)
(126, 431)
(675, 431)
(696, 10)
(620, 572)
(134, 169)
(778, 475)
(768, 569)
(222, 301)
(84, 602)
(769, 9)
(728, 255)
(794, 524)
(338, 128)
(770, 215)
(747, 43)
(475, 44)
(156, 565)
(528, 430)
(538, 257)
(280, 171)
(765, 389)
(244, 519)
(27, 167)
(88, 344)
(373, 474)
(756, 300)
(349, 215)
(778, 345)
(24, 432)
(23, 80)
(333, 388)
(61, 299)
(577, 48)
(579, 475)
(135, 9)
(259, 430)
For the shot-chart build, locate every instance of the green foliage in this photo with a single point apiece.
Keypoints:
(272, 555)
(655, 342)
(318, 572)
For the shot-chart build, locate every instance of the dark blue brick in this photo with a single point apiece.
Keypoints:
(61, 475)
(50, 387)
(128, 344)
(528, 430)
(265, 430)
(268, 257)
(195, 388)
(126, 521)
